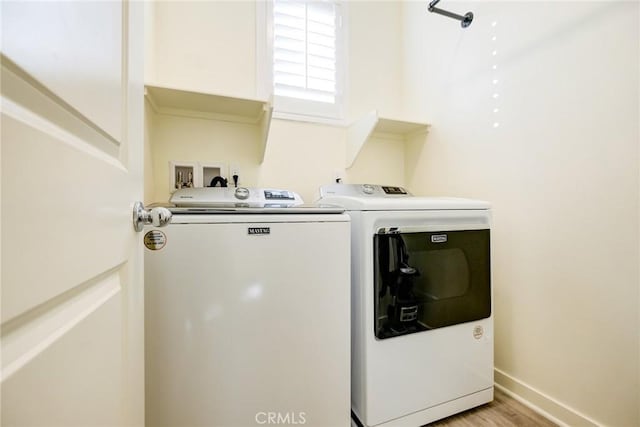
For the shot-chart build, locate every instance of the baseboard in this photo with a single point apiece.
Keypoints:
(543, 404)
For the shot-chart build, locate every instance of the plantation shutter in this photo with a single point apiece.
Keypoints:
(304, 50)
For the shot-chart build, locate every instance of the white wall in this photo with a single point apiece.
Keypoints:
(374, 58)
(299, 156)
(561, 170)
(207, 46)
(185, 139)
(212, 47)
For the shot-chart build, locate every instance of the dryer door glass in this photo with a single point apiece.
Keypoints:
(428, 280)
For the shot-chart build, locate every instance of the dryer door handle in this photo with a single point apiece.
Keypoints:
(432, 228)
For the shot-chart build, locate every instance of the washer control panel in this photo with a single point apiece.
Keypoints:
(279, 195)
(228, 197)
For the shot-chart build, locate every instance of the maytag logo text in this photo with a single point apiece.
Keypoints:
(259, 231)
(439, 238)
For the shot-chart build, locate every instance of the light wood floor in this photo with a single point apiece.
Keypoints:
(504, 411)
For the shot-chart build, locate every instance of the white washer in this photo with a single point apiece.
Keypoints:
(422, 324)
(247, 311)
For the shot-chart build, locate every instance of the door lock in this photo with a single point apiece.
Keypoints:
(158, 217)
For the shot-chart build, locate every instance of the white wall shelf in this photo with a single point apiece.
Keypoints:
(179, 102)
(371, 124)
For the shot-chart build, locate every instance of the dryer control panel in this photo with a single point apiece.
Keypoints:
(394, 190)
(360, 190)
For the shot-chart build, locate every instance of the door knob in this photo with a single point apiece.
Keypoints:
(158, 217)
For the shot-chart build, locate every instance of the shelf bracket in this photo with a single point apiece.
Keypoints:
(357, 135)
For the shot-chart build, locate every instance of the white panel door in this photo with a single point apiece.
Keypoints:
(72, 298)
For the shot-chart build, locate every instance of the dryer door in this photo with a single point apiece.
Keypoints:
(427, 280)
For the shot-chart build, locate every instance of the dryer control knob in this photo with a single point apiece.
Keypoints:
(368, 189)
(241, 193)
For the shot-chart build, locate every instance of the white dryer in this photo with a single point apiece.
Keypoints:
(422, 324)
(247, 311)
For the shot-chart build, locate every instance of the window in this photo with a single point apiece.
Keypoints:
(306, 58)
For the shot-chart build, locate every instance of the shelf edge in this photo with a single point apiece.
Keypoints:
(212, 115)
